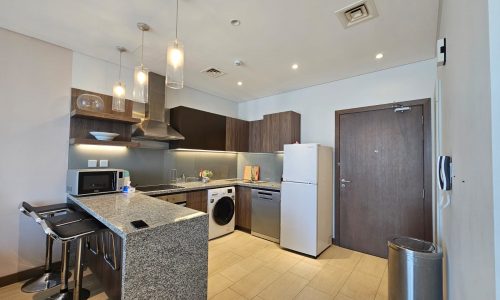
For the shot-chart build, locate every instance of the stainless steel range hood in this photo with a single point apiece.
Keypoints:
(155, 125)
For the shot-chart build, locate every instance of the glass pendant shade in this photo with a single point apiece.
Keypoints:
(119, 96)
(141, 77)
(175, 65)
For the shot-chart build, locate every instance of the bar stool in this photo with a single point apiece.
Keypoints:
(48, 279)
(74, 231)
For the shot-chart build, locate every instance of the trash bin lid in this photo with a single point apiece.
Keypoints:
(414, 244)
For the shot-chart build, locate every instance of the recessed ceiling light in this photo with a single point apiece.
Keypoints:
(379, 56)
(295, 66)
(240, 83)
(235, 22)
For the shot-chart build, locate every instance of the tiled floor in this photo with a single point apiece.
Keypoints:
(242, 266)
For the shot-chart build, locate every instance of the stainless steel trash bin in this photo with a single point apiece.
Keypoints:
(415, 270)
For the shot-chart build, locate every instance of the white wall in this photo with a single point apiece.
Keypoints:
(317, 104)
(494, 12)
(35, 86)
(96, 75)
(468, 221)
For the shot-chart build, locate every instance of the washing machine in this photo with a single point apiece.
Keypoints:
(220, 209)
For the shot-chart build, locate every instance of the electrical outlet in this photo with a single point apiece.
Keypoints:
(92, 163)
(103, 163)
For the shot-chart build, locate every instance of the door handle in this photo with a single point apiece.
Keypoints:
(345, 181)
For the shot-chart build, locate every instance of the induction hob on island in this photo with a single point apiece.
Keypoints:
(158, 187)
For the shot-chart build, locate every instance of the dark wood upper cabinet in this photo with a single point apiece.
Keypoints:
(289, 128)
(237, 135)
(208, 131)
(280, 129)
(201, 129)
(255, 136)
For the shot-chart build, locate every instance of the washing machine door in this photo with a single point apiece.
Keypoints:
(223, 211)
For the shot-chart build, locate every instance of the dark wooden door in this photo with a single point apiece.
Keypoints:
(381, 160)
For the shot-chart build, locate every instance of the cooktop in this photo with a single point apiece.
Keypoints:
(158, 187)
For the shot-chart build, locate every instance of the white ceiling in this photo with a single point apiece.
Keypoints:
(272, 36)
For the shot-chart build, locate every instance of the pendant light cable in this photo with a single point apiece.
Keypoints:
(120, 69)
(176, 19)
(142, 49)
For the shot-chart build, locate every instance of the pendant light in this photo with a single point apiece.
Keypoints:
(119, 87)
(175, 59)
(140, 92)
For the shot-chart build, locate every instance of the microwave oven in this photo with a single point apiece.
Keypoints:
(94, 181)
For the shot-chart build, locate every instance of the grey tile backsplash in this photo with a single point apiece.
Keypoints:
(271, 165)
(145, 166)
(148, 166)
(189, 163)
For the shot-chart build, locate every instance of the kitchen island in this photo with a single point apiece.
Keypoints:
(167, 260)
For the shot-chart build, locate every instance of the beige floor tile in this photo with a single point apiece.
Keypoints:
(306, 270)
(342, 257)
(285, 287)
(216, 284)
(308, 293)
(372, 265)
(320, 262)
(249, 249)
(252, 284)
(268, 253)
(222, 262)
(383, 289)
(361, 286)
(341, 296)
(241, 268)
(330, 279)
(283, 262)
(228, 294)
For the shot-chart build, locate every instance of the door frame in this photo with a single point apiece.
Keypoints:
(427, 114)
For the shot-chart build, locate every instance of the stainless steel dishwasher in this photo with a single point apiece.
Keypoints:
(266, 214)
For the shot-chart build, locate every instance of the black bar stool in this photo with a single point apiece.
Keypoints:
(72, 231)
(49, 278)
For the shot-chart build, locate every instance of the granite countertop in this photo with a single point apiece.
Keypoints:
(198, 185)
(116, 211)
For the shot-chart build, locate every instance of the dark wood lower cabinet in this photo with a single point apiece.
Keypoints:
(110, 279)
(244, 208)
(197, 200)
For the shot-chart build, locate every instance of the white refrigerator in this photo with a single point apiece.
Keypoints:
(307, 198)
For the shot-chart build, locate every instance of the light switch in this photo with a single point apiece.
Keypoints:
(92, 163)
(103, 163)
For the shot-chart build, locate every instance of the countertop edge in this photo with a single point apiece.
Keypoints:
(209, 186)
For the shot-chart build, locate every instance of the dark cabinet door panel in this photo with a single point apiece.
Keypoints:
(255, 136)
(201, 129)
(237, 135)
(197, 200)
(244, 208)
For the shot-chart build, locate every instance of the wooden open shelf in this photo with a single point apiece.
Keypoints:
(75, 141)
(93, 115)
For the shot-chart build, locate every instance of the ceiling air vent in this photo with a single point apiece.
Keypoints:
(356, 13)
(213, 72)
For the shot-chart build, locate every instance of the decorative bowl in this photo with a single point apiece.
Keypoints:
(90, 102)
(104, 136)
